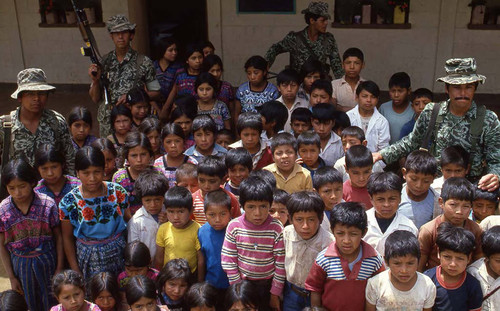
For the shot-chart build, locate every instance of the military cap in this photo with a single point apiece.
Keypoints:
(119, 23)
(318, 8)
(461, 71)
(31, 79)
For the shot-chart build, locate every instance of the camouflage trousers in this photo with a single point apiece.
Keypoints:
(104, 119)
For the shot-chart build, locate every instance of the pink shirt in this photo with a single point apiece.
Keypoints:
(355, 194)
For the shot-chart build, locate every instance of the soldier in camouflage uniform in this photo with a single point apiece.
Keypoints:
(125, 69)
(454, 125)
(32, 124)
(312, 42)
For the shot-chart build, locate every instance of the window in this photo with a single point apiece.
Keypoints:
(484, 15)
(372, 14)
(60, 13)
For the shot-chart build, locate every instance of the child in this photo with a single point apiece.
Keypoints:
(80, 124)
(50, 163)
(309, 146)
(201, 296)
(274, 116)
(173, 283)
(141, 295)
(366, 116)
(249, 127)
(151, 127)
(328, 184)
(401, 287)
(150, 188)
(358, 165)
(121, 120)
(341, 122)
(454, 163)
(303, 241)
(207, 48)
(262, 264)
(208, 104)
(344, 88)
(289, 175)
(239, 165)
(110, 156)
(421, 97)
(398, 110)
(288, 84)
(383, 219)
(183, 115)
(485, 204)
(137, 262)
(225, 138)
(265, 175)
(323, 120)
(211, 236)
(138, 102)
(167, 68)
(419, 202)
(278, 208)
(321, 93)
(487, 270)
(300, 121)
(12, 301)
(456, 289)
(213, 65)
(204, 131)
(211, 173)
(186, 176)
(104, 291)
(337, 279)
(242, 296)
(30, 236)
(310, 71)
(69, 289)
(456, 202)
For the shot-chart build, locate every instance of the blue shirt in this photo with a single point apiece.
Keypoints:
(418, 212)
(250, 100)
(396, 120)
(313, 170)
(211, 241)
(217, 151)
(407, 128)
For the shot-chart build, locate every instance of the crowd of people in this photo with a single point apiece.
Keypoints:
(305, 194)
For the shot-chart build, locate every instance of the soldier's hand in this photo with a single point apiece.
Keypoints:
(94, 72)
(376, 157)
(122, 100)
(489, 182)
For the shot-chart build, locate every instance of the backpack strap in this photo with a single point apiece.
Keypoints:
(491, 293)
(476, 126)
(138, 63)
(430, 127)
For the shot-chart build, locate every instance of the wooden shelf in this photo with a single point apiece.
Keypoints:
(63, 25)
(483, 27)
(373, 26)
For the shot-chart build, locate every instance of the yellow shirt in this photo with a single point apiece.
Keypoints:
(299, 180)
(179, 243)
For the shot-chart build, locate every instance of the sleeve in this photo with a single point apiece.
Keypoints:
(475, 293)
(431, 293)
(238, 93)
(276, 93)
(384, 135)
(230, 91)
(316, 279)
(152, 83)
(229, 257)
(425, 241)
(66, 206)
(371, 292)
(121, 197)
(279, 266)
(160, 235)
(67, 146)
(335, 61)
(54, 220)
(197, 244)
(133, 230)
(278, 48)
(492, 145)
(224, 111)
(309, 184)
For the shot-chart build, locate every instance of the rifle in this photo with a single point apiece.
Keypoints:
(90, 49)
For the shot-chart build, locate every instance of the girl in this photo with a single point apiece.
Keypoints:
(137, 261)
(311, 71)
(138, 102)
(206, 88)
(30, 236)
(141, 295)
(167, 68)
(80, 124)
(201, 297)
(50, 164)
(173, 143)
(121, 121)
(213, 65)
(94, 214)
(104, 291)
(69, 289)
(173, 283)
(110, 156)
(12, 301)
(183, 115)
(151, 128)
(242, 296)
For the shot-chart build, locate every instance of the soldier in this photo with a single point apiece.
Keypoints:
(313, 42)
(125, 69)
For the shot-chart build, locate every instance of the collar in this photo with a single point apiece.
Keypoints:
(333, 139)
(321, 164)
(343, 81)
(368, 251)
(471, 113)
(296, 169)
(298, 102)
(295, 237)
(16, 120)
(130, 53)
(142, 212)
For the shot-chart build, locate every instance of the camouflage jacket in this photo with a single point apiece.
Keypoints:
(324, 47)
(453, 130)
(23, 141)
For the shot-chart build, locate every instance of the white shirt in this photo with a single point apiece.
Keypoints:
(488, 284)
(490, 221)
(143, 227)
(437, 184)
(298, 102)
(333, 150)
(377, 134)
(378, 167)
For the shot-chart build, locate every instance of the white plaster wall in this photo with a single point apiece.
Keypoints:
(10, 47)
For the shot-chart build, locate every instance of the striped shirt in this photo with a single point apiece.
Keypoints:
(255, 252)
(199, 209)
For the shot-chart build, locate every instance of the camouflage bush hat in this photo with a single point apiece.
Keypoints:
(318, 8)
(461, 71)
(31, 79)
(119, 23)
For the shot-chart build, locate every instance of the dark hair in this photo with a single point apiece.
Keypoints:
(105, 144)
(308, 15)
(255, 189)
(186, 169)
(227, 132)
(244, 292)
(323, 112)
(136, 139)
(137, 95)
(172, 129)
(206, 77)
(88, 156)
(421, 161)
(265, 175)
(383, 182)
(120, 110)
(136, 254)
(239, 156)
(490, 241)
(67, 277)
(207, 44)
(104, 281)
(457, 188)
(186, 105)
(287, 76)
(280, 196)
(149, 125)
(322, 84)
(283, 139)
(174, 269)
(212, 166)
(10, 300)
(309, 138)
(204, 122)
(80, 113)
(138, 287)
(179, 197)
(455, 155)
(201, 295)
(150, 183)
(249, 120)
(369, 86)
(305, 201)
(400, 79)
(350, 214)
(257, 62)
(455, 239)
(401, 243)
(164, 43)
(353, 52)
(210, 61)
(191, 49)
(342, 121)
(274, 111)
(312, 66)
(491, 196)
(48, 153)
(358, 156)
(422, 92)
(354, 131)
(301, 114)
(326, 175)
(217, 197)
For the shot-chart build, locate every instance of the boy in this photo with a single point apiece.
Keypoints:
(289, 175)
(323, 120)
(454, 163)
(186, 176)
(278, 208)
(419, 202)
(327, 183)
(358, 165)
(138, 102)
(211, 236)
(345, 87)
(262, 264)
(303, 241)
(225, 138)
(249, 127)
(398, 110)
(337, 279)
(383, 219)
(150, 187)
(204, 130)
(421, 97)
(309, 145)
(211, 172)
(366, 116)
(487, 270)
(274, 116)
(321, 92)
(485, 204)
(178, 238)
(310, 71)
(456, 202)
(401, 287)
(288, 84)
(456, 289)
(239, 165)
(300, 121)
